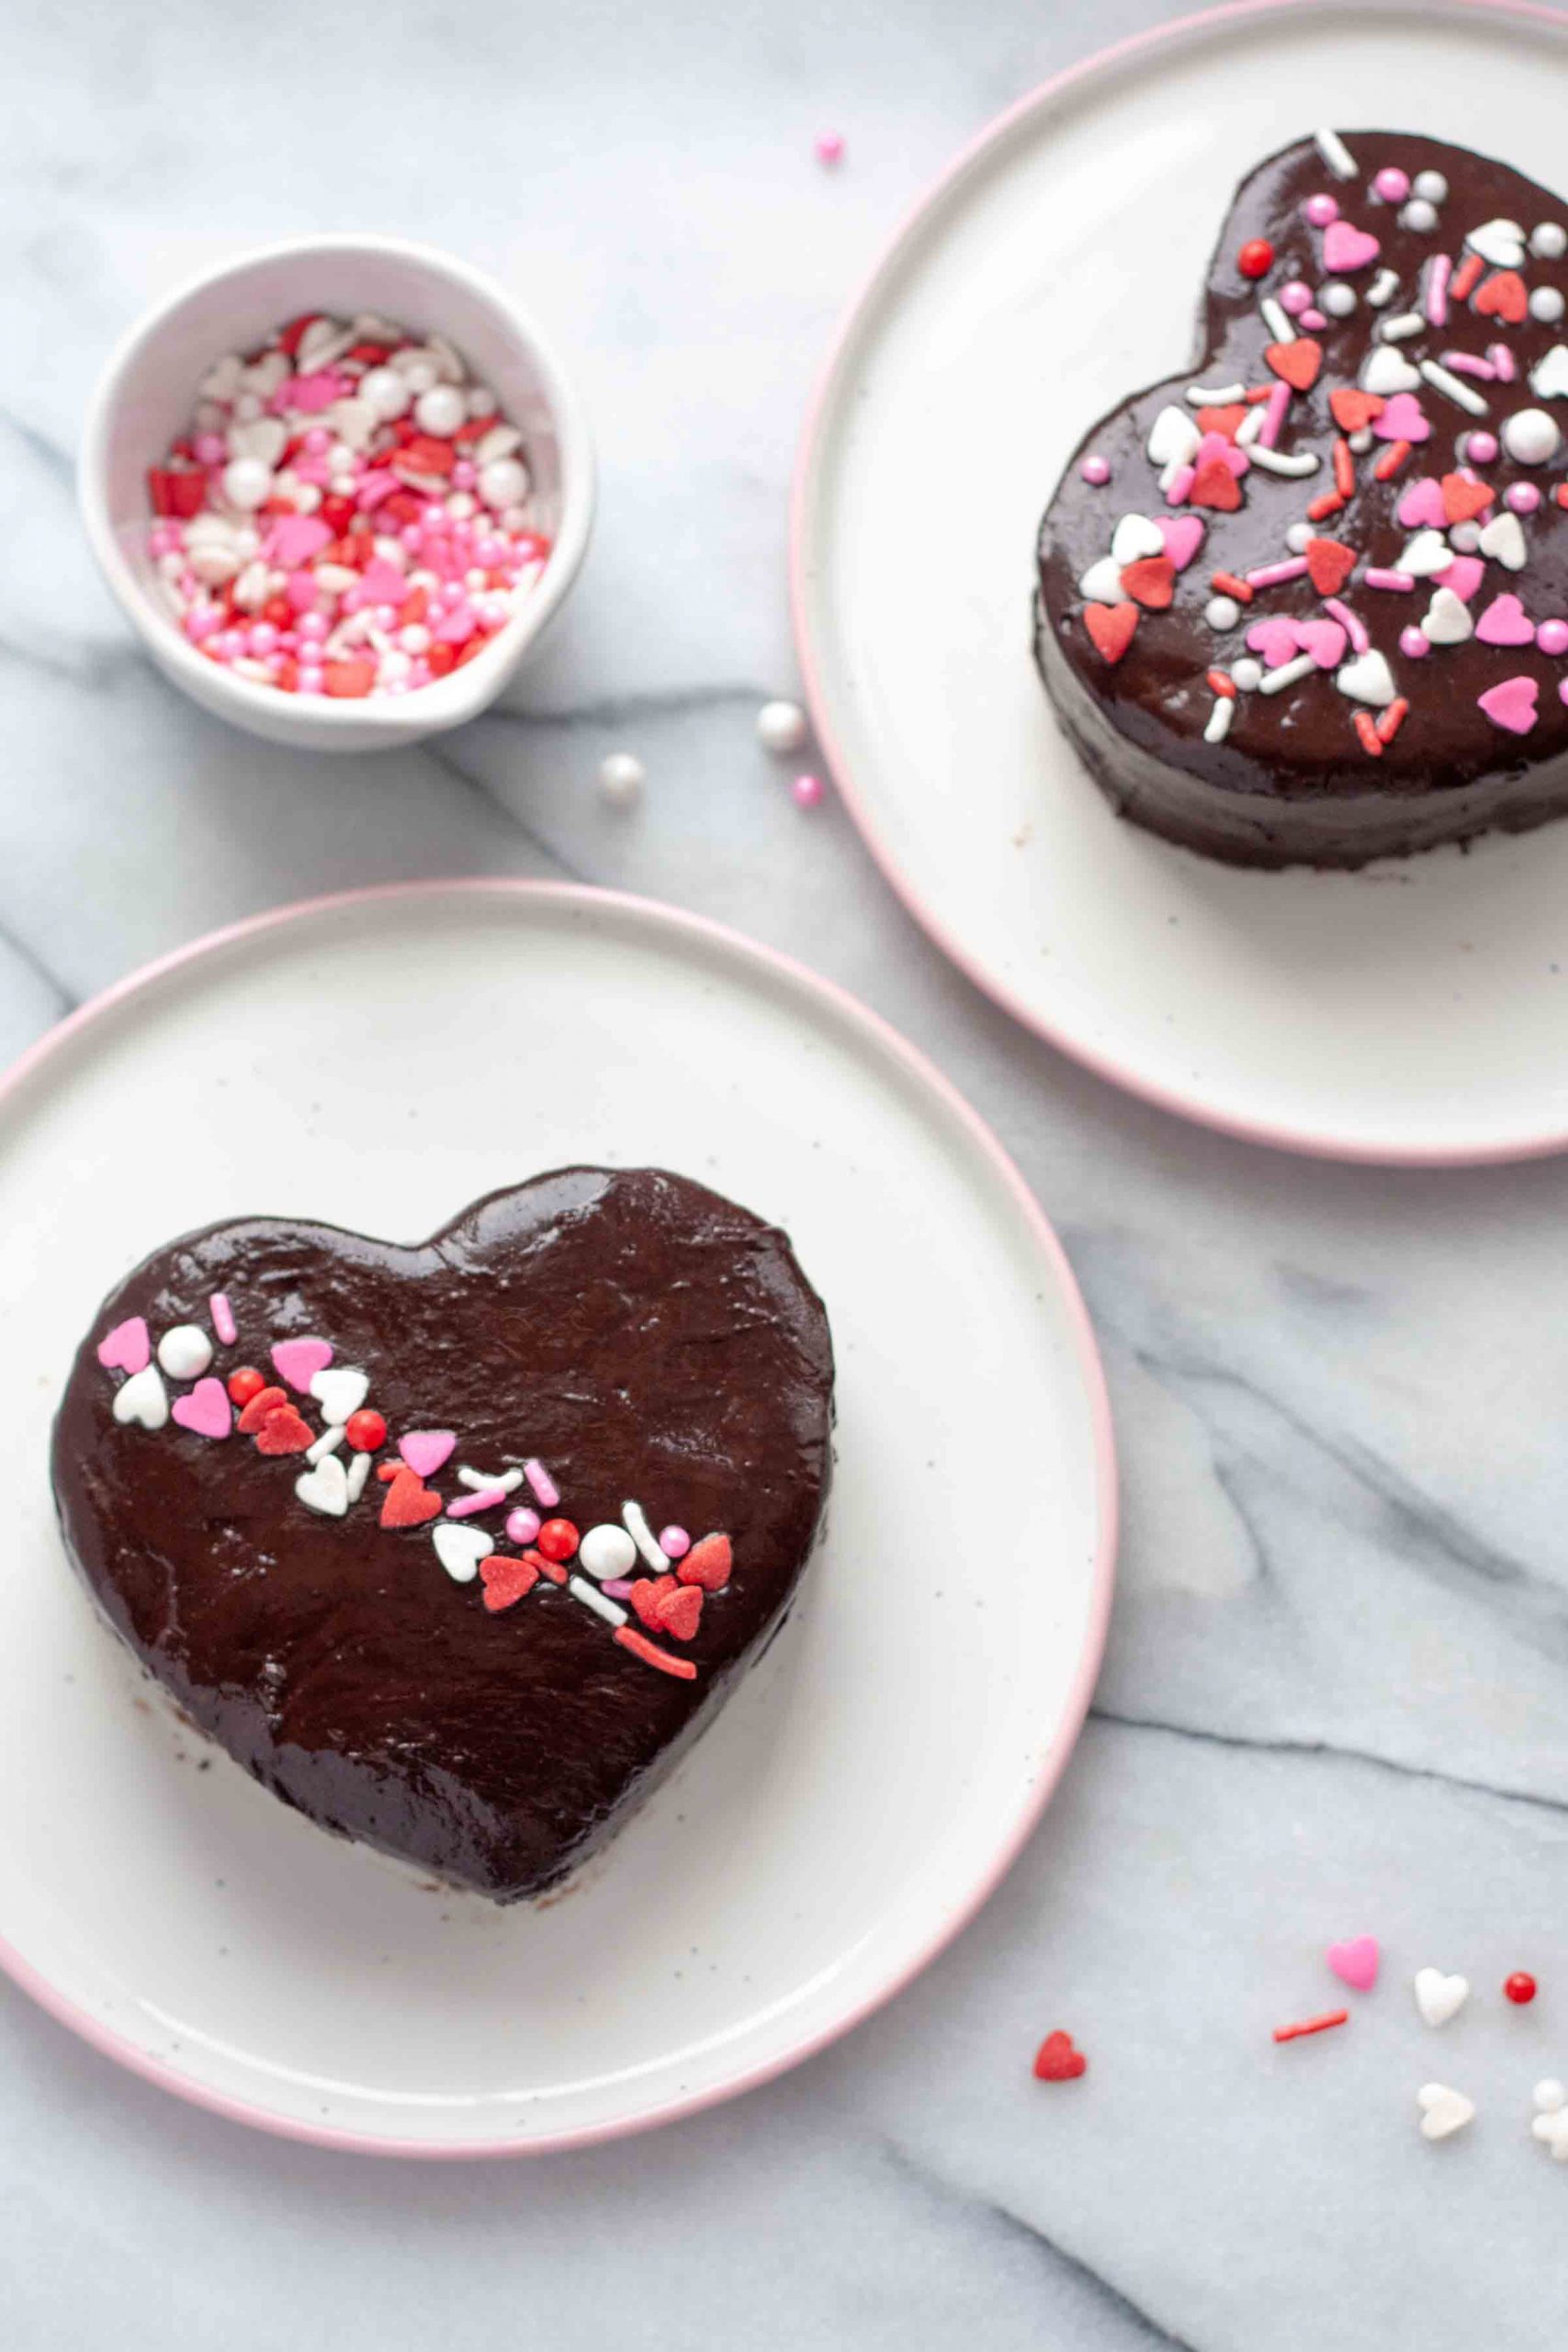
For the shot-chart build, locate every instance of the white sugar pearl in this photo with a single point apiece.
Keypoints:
(1245, 673)
(386, 392)
(1221, 612)
(503, 482)
(1420, 213)
(1531, 436)
(414, 638)
(440, 411)
(1465, 538)
(1337, 300)
(781, 727)
(460, 505)
(1298, 538)
(186, 1352)
(1549, 242)
(1431, 186)
(1546, 304)
(606, 1552)
(247, 483)
(621, 779)
(1550, 2095)
(420, 374)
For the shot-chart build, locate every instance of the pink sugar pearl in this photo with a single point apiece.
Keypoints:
(1392, 184)
(1553, 636)
(311, 680)
(1480, 448)
(1414, 642)
(1523, 497)
(1295, 297)
(675, 1543)
(522, 1525)
(1320, 210)
(830, 147)
(262, 639)
(807, 791)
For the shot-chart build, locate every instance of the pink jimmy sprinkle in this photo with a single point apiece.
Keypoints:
(544, 1488)
(1313, 320)
(1274, 415)
(1465, 363)
(619, 1588)
(486, 1498)
(1348, 622)
(1502, 359)
(1274, 575)
(1377, 578)
(1439, 271)
(222, 1319)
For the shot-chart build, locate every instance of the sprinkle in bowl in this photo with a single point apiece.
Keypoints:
(179, 366)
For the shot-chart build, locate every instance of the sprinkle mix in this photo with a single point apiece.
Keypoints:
(348, 515)
(1230, 443)
(616, 1572)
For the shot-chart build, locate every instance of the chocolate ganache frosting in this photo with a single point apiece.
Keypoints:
(1308, 601)
(456, 1547)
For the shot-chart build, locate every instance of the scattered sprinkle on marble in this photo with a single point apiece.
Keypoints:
(807, 791)
(1520, 1988)
(781, 725)
(622, 776)
(829, 147)
(1059, 2061)
(1312, 2025)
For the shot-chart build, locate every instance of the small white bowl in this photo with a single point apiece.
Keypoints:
(144, 400)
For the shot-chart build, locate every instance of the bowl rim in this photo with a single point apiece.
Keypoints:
(446, 702)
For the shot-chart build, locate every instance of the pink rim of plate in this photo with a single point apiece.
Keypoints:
(1312, 1143)
(847, 1008)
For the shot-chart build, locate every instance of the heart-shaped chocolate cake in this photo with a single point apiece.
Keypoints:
(1307, 602)
(456, 1547)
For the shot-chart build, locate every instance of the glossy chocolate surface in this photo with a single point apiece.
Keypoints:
(635, 1332)
(1292, 782)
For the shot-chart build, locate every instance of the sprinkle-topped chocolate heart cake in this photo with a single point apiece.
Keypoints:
(456, 1547)
(1307, 602)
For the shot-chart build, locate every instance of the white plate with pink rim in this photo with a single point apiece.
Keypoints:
(868, 1783)
(1417, 1012)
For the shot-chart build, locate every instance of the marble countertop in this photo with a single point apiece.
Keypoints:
(1334, 1697)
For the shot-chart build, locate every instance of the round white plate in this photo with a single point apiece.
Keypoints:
(1417, 1012)
(379, 1061)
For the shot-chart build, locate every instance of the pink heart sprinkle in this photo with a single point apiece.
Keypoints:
(1275, 639)
(311, 394)
(384, 584)
(128, 1346)
(1214, 449)
(298, 1361)
(1506, 622)
(1346, 247)
(1511, 705)
(1325, 640)
(1355, 1963)
(1403, 419)
(206, 1409)
(1463, 576)
(424, 1450)
(1422, 502)
(1183, 536)
(296, 538)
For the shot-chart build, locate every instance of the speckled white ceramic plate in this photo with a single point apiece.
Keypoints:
(1417, 1012)
(379, 1061)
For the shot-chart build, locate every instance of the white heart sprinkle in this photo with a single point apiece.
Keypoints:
(1366, 679)
(1440, 1998)
(1101, 583)
(340, 1390)
(1504, 540)
(143, 1398)
(1173, 438)
(1501, 242)
(1447, 620)
(1387, 371)
(1135, 535)
(1443, 2110)
(186, 1352)
(1427, 552)
(325, 1488)
(460, 1550)
(265, 437)
(1549, 376)
(1552, 2128)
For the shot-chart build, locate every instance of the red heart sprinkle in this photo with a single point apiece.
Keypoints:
(505, 1580)
(1215, 485)
(679, 1613)
(646, 1596)
(1110, 627)
(1329, 564)
(1463, 500)
(1297, 362)
(408, 1501)
(1353, 410)
(283, 1431)
(1502, 296)
(708, 1563)
(1057, 2060)
(1222, 420)
(1150, 581)
(263, 1402)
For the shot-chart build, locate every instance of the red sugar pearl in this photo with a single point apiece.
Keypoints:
(365, 1430)
(245, 1384)
(557, 1539)
(1519, 1987)
(1256, 257)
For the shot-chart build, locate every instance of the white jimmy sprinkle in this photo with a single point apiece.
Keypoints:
(592, 1597)
(358, 1471)
(634, 1521)
(1219, 725)
(1275, 461)
(1450, 386)
(1401, 327)
(479, 1481)
(1251, 426)
(1382, 288)
(1215, 395)
(1276, 320)
(1274, 682)
(328, 1442)
(1335, 154)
